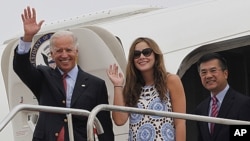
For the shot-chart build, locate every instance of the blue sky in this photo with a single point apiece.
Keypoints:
(53, 10)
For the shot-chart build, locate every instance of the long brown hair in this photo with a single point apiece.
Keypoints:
(134, 79)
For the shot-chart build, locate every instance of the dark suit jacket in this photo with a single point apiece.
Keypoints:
(46, 84)
(234, 106)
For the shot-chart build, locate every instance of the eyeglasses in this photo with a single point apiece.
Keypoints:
(146, 52)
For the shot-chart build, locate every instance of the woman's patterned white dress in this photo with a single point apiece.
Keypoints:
(150, 127)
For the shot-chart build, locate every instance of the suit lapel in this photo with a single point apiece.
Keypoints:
(206, 113)
(58, 83)
(226, 104)
(80, 86)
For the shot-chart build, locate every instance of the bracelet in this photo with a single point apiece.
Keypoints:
(119, 86)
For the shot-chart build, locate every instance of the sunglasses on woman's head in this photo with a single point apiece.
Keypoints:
(146, 52)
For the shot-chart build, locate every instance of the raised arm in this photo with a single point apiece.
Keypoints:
(117, 78)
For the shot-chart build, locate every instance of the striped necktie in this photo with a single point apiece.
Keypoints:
(214, 112)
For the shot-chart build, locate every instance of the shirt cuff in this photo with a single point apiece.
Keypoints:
(23, 47)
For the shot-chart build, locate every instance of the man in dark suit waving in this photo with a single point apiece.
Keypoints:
(224, 102)
(79, 90)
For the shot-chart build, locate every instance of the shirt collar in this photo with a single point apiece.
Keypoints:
(220, 96)
(72, 73)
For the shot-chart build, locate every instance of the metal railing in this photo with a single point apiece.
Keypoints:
(68, 111)
(106, 107)
(92, 120)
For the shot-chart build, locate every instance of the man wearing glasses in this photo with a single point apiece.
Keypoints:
(224, 101)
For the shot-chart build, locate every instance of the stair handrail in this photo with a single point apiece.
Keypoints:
(60, 110)
(106, 107)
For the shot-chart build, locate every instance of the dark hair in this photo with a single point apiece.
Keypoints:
(211, 56)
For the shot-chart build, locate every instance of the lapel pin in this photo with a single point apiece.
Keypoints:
(83, 85)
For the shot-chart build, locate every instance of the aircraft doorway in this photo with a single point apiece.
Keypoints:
(236, 52)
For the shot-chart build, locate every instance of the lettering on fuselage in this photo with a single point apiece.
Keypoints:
(40, 52)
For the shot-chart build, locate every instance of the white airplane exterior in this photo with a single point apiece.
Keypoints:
(184, 33)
